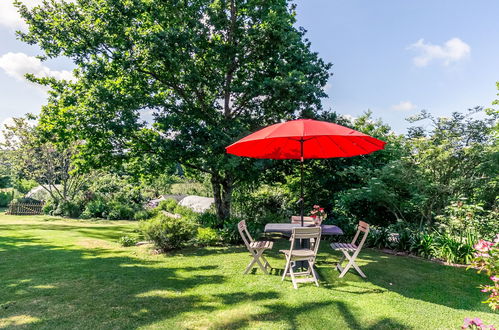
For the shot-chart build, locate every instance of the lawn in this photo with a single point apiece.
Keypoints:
(62, 274)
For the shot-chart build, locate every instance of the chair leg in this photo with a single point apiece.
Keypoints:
(256, 259)
(312, 272)
(293, 275)
(286, 268)
(250, 265)
(351, 263)
(266, 263)
(338, 265)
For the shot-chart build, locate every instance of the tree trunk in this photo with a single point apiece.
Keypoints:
(222, 193)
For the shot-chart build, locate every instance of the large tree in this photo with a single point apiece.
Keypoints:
(210, 71)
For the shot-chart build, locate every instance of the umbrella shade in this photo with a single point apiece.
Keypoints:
(320, 140)
(305, 139)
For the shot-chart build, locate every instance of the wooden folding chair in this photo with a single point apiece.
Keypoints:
(302, 254)
(352, 247)
(307, 221)
(256, 248)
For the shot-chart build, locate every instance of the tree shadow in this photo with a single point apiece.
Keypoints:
(422, 280)
(60, 287)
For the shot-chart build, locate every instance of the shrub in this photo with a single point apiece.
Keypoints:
(486, 259)
(119, 211)
(208, 219)
(206, 236)
(168, 205)
(127, 240)
(229, 233)
(5, 198)
(168, 233)
(423, 245)
(454, 251)
(96, 208)
(24, 186)
(379, 237)
(144, 214)
(68, 209)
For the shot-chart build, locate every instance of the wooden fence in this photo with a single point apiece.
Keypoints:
(25, 209)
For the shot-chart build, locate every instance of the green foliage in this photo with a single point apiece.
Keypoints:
(423, 245)
(454, 250)
(206, 236)
(68, 209)
(144, 214)
(5, 198)
(119, 210)
(127, 240)
(168, 205)
(168, 233)
(5, 181)
(262, 205)
(212, 71)
(24, 185)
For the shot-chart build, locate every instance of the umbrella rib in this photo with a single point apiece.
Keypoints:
(322, 148)
(368, 141)
(339, 147)
(358, 145)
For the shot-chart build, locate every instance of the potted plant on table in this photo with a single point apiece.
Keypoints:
(318, 214)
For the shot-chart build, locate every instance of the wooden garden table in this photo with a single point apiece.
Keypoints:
(287, 228)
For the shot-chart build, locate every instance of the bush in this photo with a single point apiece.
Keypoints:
(453, 250)
(96, 208)
(127, 240)
(168, 205)
(119, 211)
(168, 233)
(206, 236)
(144, 214)
(68, 209)
(208, 219)
(423, 245)
(5, 198)
(24, 186)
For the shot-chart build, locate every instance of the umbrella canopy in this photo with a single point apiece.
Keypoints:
(319, 140)
(305, 139)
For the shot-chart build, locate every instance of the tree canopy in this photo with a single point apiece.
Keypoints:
(209, 72)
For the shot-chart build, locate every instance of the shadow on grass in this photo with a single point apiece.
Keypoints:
(410, 277)
(62, 287)
(419, 279)
(103, 288)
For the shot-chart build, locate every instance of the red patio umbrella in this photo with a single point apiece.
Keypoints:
(305, 139)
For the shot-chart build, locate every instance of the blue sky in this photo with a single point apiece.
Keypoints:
(393, 57)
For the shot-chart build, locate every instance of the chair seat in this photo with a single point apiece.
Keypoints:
(343, 246)
(261, 245)
(299, 253)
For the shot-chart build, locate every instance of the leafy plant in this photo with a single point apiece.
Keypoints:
(168, 233)
(5, 198)
(127, 240)
(486, 259)
(206, 236)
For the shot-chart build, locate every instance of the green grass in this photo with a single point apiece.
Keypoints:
(68, 274)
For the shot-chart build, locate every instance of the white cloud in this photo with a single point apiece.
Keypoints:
(17, 65)
(9, 16)
(350, 118)
(404, 106)
(451, 51)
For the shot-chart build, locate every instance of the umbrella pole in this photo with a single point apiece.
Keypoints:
(301, 180)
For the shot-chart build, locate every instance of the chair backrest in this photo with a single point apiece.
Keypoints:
(297, 219)
(245, 235)
(364, 228)
(306, 233)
